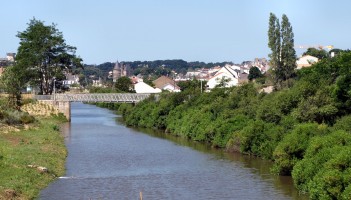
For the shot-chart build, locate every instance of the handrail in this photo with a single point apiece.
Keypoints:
(97, 97)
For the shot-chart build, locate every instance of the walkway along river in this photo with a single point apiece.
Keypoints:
(110, 161)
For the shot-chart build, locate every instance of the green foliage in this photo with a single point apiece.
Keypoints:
(260, 138)
(344, 123)
(319, 108)
(288, 54)
(325, 171)
(124, 84)
(15, 117)
(293, 146)
(192, 86)
(13, 81)
(342, 92)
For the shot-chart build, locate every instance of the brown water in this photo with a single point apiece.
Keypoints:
(110, 161)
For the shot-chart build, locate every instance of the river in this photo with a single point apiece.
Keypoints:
(108, 160)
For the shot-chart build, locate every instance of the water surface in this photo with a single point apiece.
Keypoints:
(107, 160)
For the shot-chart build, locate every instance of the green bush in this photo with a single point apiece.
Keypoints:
(293, 146)
(344, 123)
(325, 171)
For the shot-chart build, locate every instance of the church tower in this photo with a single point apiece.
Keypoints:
(116, 72)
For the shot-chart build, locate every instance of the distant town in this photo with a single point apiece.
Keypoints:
(161, 75)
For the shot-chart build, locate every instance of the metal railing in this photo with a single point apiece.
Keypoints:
(96, 97)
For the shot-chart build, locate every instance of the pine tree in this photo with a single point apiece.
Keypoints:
(283, 56)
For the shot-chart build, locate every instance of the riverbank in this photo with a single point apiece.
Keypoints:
(31, 157)
(304, 128)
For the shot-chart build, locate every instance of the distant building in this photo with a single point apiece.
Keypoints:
(9, 60)
(3, 62)
(226, 75)
(165, 83)
(11, 57)
(261, 63)
(120, 70)
(97, 83)
(71, 79)
(306, 61)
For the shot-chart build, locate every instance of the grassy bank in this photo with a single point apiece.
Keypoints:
(23, 151)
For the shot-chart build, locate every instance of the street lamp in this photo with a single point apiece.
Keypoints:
(54, 79)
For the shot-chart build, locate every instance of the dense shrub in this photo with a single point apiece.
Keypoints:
(260, 138)
(344, 123)
(325, 171)
(293, 146)
(15, 117)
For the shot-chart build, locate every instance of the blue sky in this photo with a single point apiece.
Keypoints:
(193, 30)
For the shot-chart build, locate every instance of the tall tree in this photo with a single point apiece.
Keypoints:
(283, 56)
(45, 54)
(288, 53)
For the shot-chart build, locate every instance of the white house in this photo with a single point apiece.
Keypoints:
(142, 87)
(171, 87)
(226, 75)
(306, 61)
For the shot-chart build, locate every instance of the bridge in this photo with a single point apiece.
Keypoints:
(96, 97)
(63, 101)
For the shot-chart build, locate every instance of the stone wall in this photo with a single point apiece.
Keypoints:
(63, 107)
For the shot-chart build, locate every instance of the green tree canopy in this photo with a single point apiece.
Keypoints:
(44, 54)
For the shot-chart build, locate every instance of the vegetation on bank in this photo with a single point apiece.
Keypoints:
(32, 152)
(304, 129)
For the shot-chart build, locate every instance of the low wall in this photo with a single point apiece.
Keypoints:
(63, 106)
